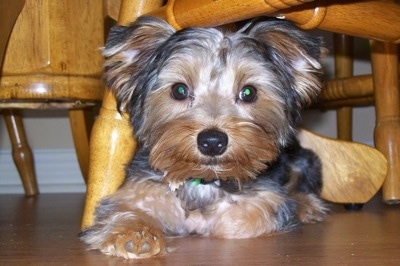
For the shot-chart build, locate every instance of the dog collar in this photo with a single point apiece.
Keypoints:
(231, 186)
(197, 181)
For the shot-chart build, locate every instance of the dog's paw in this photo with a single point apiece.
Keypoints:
(131, 244)
(312, 209)
(132, 241)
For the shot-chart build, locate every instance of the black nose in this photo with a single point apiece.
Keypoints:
(212, 142)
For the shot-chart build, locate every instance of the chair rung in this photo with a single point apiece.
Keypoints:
(353, 102)
(347, 88)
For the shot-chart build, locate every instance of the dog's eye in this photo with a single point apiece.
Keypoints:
(248, 94)
(180, 91)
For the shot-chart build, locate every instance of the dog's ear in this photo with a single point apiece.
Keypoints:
(129, 52)
(297, 55)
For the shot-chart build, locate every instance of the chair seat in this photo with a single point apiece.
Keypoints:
(50, 91)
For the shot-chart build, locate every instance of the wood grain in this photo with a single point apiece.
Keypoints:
(352, 172)
(343, 61)
(53, 53)
(385, 69)
(81, 122)
(52, 61)
(43, 231)
(7, 21)
(355, 16)
(111, 147)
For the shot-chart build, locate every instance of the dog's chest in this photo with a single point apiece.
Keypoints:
(201, 205)
(199, 197)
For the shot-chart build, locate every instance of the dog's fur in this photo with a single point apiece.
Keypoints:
(215, 114)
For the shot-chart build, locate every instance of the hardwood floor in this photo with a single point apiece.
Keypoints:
(43, 231)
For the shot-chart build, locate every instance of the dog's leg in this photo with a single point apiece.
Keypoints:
(263, 213)
(131, 222)
(311, 208)
(128, 234)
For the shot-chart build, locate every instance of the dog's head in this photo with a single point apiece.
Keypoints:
(208, 103)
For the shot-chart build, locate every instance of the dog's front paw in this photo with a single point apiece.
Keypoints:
(135, 244)
(128, 241)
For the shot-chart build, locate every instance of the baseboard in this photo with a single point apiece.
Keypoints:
(57, 171)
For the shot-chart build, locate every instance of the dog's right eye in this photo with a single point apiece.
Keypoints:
(180, 91)
(248, 94)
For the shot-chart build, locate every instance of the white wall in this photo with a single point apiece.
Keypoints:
(49, 136)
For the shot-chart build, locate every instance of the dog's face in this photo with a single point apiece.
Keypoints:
(212, 104)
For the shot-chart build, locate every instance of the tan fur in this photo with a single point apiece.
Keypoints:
(175, 152)
(239, 196)
(236, 216)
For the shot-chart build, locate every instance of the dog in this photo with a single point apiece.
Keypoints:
(215, 113)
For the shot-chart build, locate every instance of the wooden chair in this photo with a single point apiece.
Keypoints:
(50, 59)
(112, 144)
(380, 89)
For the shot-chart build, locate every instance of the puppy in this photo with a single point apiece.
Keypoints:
(215, 115)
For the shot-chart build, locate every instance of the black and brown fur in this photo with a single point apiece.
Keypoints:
(215, 115)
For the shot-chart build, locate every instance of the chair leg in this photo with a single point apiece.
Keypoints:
(21, 152)
(344, 123)
(111, 144)
(111, 147)
(81, 121)
(343, 46)
(384, 57)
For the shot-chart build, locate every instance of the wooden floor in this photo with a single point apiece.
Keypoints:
(43, 231)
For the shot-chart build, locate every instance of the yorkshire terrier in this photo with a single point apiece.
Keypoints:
(215, 113)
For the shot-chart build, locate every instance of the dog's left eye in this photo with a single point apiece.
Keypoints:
(248, 94)
(180, 91)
